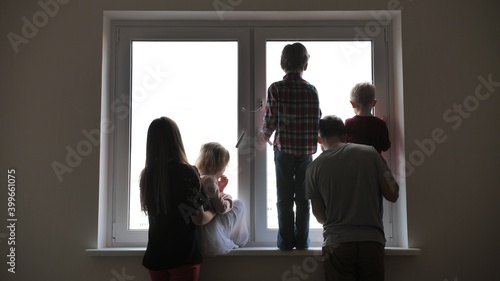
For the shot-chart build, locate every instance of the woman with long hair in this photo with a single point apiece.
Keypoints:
(171, 197)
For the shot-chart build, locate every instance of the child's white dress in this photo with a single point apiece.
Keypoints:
(228, 229)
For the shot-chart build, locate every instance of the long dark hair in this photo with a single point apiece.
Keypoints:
(164, 144)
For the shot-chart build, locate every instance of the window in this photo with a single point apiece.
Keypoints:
(195, 84)
(212, 78)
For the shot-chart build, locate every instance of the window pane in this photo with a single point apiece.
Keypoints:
(334, 68)
(195, 84)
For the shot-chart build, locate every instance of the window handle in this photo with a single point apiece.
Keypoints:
(243, 108)
(240, 138)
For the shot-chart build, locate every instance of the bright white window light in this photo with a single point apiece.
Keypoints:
(195, 84)
(333, 69)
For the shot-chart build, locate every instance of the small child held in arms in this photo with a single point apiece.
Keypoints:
(228, 229)
(364, 128)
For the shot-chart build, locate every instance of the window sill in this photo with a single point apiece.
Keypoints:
(247, 251)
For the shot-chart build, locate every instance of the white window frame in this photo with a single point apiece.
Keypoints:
(251, 91)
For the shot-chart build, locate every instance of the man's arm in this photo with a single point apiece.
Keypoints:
(317, 203)
(318, 208)
(389, 186)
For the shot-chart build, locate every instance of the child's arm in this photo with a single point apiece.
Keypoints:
(222, 183)
(221, 202)
(385, 142)
(270, 117)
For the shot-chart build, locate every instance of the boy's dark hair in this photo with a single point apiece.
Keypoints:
(331, 126)
(294, 57)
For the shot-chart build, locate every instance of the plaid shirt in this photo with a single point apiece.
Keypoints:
(292, 110)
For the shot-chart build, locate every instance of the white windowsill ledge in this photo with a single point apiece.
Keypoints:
(247, 251)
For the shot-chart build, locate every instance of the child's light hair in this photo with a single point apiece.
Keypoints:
(363, 94)
(213, 159)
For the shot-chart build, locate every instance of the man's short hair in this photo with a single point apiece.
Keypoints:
(331, 126)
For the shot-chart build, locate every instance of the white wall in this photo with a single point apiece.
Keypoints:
(50, 91)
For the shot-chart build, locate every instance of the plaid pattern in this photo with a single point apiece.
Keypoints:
(292, 110)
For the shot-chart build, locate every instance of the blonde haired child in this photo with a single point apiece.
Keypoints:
(211, 164)
(364, 128)
(228, 229)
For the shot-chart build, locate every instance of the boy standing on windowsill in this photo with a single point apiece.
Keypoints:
(364, 128)
(292, 112)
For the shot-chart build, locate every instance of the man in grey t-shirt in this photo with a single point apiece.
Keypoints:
(346, 184)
